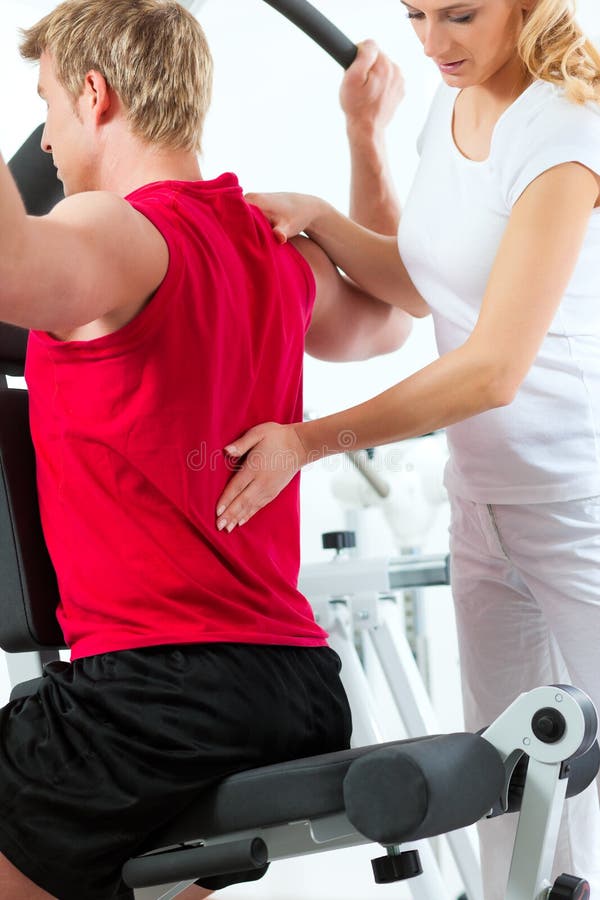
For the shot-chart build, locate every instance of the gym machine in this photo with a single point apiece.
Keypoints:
(541, 750)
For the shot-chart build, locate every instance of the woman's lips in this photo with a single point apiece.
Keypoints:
(449, 68)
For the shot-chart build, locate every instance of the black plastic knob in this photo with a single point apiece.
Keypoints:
(338, 540)
(569, 887)
(388, 869)
(548, 725)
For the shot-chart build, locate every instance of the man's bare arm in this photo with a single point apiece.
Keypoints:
(92, 258)
(347, 323)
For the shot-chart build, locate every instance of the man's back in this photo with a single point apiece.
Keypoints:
(129, 430)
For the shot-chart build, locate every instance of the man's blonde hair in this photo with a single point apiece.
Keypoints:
(153, 53)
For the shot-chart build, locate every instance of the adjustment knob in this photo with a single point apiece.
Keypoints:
(388, 869)
(338, 540)
(548, 725)
(569, 887)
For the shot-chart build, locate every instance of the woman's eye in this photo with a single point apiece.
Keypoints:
(460, 21)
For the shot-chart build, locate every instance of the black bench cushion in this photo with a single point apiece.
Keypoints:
(28, 588)
(315, 787)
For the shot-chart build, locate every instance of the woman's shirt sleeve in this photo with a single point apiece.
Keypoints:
(556, 132)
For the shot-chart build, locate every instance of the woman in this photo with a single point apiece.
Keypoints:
(500, 240)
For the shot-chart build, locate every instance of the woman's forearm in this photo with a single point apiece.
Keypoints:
(371, 260)
(460, 384)
(374, 203)
(463, 383)
(370, 94)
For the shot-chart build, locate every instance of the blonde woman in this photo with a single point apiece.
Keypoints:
(500, 241)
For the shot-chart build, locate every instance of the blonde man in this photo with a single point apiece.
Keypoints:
(165, 319)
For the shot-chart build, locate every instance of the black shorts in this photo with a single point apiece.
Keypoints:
(113, 746)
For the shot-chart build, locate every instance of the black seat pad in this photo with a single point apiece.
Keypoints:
(314, 787)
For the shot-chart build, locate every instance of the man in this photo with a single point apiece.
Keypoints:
(164, 320)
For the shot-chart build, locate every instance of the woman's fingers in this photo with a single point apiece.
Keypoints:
(246, 442)
(289, 214)
(278, 210)
(372, 87)
(274, 455)
(234, 500)
(367, 55)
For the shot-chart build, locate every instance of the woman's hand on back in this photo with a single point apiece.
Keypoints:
(270, 455)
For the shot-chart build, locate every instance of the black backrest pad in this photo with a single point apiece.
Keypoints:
(13, 344)
(28, 588)
(35, 175)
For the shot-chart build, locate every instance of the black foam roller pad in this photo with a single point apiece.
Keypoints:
(316, 26)
(35, 175)
(419, 789)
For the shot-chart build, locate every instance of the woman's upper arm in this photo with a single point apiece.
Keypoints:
(532, 269)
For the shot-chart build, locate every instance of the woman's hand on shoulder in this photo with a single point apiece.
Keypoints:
(289, 214)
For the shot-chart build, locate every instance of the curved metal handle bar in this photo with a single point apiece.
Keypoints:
(316, 26)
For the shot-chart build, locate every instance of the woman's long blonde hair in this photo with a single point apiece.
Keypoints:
(554, 48)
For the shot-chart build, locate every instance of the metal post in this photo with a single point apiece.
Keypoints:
(366, 729)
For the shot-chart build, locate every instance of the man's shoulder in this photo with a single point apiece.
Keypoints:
(89, 206)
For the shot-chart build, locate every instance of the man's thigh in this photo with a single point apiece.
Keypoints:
(16, 886)
(112, 747)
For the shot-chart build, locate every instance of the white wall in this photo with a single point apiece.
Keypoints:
(276, 122)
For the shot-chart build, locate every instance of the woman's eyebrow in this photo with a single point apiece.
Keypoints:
(445, 9)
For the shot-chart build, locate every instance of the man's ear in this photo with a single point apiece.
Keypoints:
(97, 95)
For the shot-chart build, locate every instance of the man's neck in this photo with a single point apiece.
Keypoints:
(134, 164)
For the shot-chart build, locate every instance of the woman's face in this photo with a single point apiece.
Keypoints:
(470, 40)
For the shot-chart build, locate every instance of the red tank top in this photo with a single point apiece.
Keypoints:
(129, 430)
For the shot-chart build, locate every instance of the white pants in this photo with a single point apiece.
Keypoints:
(526, 585)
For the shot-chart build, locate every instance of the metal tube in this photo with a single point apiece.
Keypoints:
(363, 464)
(419, 571)
(195, 862)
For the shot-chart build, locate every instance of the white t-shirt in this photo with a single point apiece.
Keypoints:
(544, 446)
